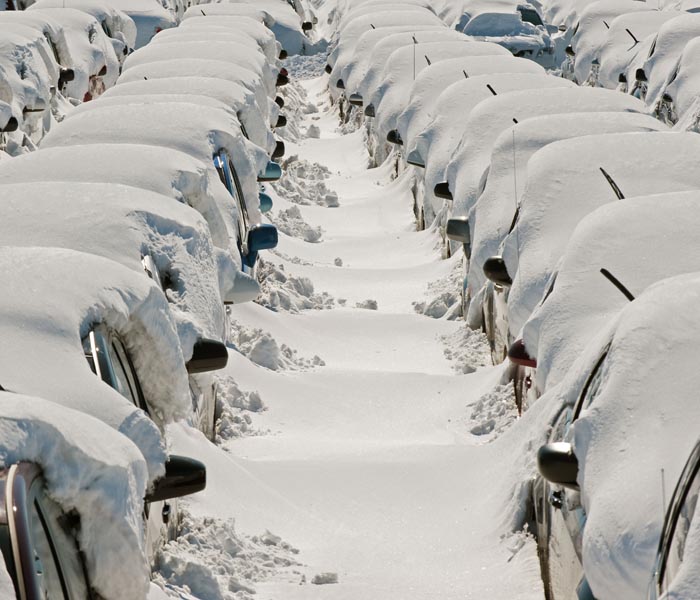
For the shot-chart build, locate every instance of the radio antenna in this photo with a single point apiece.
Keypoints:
(617, 283)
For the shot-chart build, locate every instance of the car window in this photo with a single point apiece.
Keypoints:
(229, 177)
(653, 48)
(592, 387)
(45, 560)
(127, 383)
(530, 16)
(674, 557)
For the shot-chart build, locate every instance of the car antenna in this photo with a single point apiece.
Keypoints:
(663, 501)
(617, 283)
(427, 59)
(613, 185)
(203, 13)
(465, 74)
(372, 26)
(145, 78)
(415, 43)
(636, 41)
(488, 85)
(606, 24)
(515, 120)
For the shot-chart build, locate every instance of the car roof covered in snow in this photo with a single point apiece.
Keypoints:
(392, 93)
(429, 84)
(593, 29)
(89, 468)
(618, 49)
(551, 207)
(58, 295)
(642, 421)
(495, 209)
(660, 240)
(235, 96)
(125, 223)
(487, 120)
(668, 46)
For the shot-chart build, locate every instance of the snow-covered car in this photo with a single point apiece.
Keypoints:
(149, 233)
(648, 80)
(426, 90)
(236, 97)
(592, 30)
(627, 35)
(613, 448)
(580, 300)
(677, 101)
(435, 145)
(93, 59)
(117, 25)
(497, 206)
(673, 573)
(520, 37)
(149, 16)
(284, 24)
(77, 490)
(592, 171)
(208, 134)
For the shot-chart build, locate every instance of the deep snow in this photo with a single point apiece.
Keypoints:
(370, 473)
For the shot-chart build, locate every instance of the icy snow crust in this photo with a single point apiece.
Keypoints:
(235, 96)
(437, 143)
(492, 116)
(430, 83)
(656, 245)
(89, 468)
(46, 318)
(633, 407)
(550, 208)
(123, 224)
(193, 129)
(494, 211)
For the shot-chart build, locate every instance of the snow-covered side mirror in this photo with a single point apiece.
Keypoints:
(518, 354)
(279, 150)
(283, 54)
(272, 172)
(307, 26)
(442, 190)
(281, 121)
(457, 230)
(245, 289)
(394, 137)
(369, 111)
(265, 202)
(183, 476)
(262, 237)
(282, 78)
(495, 270)
(355, 100)
(207, 355)
(414, 158)
(11, 125)
(558, 464)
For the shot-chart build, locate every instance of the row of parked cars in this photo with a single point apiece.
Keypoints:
(131, 195)
(538, 139)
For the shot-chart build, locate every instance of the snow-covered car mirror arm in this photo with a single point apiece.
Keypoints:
(558, 464)
(183, 476)
(207, 355)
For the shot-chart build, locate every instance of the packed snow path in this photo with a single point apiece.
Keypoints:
(367, 464)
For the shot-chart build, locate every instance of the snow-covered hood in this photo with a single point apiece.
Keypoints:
(509, 31)
(430, 83)
(93, 470)
(493, 214)
(486, 122)
(57, 296)
(619, 466)
(551, 207)
(124, 224)
(149, 16)
(235, 96)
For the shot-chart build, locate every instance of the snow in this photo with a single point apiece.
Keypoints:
(683, 90)
(93, 470)
(493, 213)
(123, 223)
(58, 295)
(550, 208)
(148, 16)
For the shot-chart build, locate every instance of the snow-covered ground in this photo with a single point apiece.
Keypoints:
(364, 451)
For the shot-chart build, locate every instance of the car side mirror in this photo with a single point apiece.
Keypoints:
(11, 125)
(414, 158)
(262, 237)
(457, 230)
(369, 111)
(65, 76)
(495, 270)
(570, 51)
(265, 202)
(282, 79)
(518, 354)
(355, 100)
(328, 69)
(278, 152)
(283, 54)
(279, 101)
(207, 355)
(558, 464)
(307, 26)
(272, 172)
(281, 121)
(103, 71)
(394, 137)
(340, 84)
(183, 476)
(442, 190)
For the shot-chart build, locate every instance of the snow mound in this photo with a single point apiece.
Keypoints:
(325, 578)
(233, 407)
(368, 304)
(291, 222)
(494, 412)
(211, 560)
(283, 292)
(306, 67)
(296, 107)
(304, 183)
(262, 349)
(468, 349)
(446, 298)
